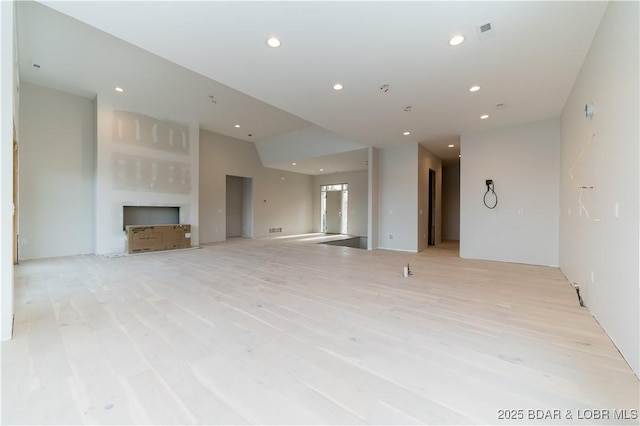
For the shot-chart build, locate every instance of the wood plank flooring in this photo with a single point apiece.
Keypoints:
(286, 331)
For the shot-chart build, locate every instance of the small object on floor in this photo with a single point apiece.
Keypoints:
(406, 272)
(577, 287)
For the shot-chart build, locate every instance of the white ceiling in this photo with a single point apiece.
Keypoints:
(529, 62)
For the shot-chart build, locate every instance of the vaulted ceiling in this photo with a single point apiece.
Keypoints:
(209, 61)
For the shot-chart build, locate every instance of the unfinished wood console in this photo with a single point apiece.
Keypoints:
(145, 238)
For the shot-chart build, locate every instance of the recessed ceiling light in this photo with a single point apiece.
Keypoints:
(456, 40)
(474, 88)
(322, 170)
(119, 89)
(406, 133)
(484, 116)
(294, 164)
(451, 145)
(273, 42)
(338, 86)
(237, 126)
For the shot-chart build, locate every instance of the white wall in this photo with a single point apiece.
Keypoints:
(373, 199)
(247, 208)
(398, 198)
(57, 173)
(280, 199)
(7, 104)
(358, 200)
(143, 160)
(523, 162)
(603, 256)
(451, 201)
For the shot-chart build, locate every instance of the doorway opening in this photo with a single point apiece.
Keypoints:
(239, 207)
(431, 209)
(334, 201)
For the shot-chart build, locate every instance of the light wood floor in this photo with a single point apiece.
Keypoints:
(284, 331)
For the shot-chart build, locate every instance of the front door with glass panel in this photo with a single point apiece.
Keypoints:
(334, 212)
(334, 199)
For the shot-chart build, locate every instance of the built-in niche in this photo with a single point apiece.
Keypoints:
(150, 215)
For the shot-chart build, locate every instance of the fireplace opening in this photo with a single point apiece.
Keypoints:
(150, 215)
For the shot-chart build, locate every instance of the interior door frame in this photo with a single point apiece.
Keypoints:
(431, 209)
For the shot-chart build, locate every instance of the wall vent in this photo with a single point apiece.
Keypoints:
(485, 31)
(274, 230)
(486, 27)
